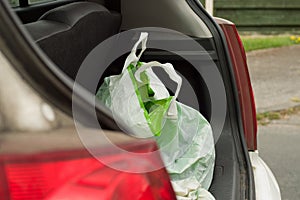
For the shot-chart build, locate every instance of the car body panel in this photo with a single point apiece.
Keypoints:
(266, 185)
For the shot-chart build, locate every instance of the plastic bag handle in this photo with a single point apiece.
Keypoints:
(132, 57)
(169, 69)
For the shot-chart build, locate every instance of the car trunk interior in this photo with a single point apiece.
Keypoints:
(69, 31)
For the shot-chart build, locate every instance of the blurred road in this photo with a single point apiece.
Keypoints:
(275, 75)
(279, 146)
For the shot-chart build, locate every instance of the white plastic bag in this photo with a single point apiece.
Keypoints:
(140, 99)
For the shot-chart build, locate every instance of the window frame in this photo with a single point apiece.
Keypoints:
(26, 3)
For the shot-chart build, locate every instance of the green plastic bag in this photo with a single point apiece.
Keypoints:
(139, 99)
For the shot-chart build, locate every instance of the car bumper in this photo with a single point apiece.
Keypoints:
(266, 185)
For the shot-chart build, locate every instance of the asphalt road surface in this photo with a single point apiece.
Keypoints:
(275, 75)
(279, 147)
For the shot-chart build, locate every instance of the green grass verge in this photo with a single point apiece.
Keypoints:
(266, 117)
(263, 42)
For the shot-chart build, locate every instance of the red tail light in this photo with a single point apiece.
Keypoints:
(76, 175)
(242, 78)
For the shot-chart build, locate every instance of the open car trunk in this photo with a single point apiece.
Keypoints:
(206, 94)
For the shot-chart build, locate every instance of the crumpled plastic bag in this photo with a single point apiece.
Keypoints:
(139, 99)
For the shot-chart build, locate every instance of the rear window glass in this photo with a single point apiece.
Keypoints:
(14, 3)
(38, 1)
